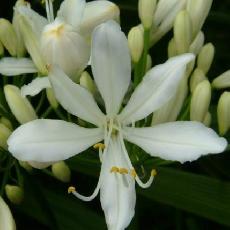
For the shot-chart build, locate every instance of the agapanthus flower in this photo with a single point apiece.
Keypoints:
(45, 140)
(64, 40)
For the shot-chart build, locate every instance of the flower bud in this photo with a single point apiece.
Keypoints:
(223, 113)
(8, 36)
(198, 10)
(6, 219)
(61, 171)
(56, 48)
(19, 106)
(172, 50)
(205, 57)
(197, 43)
(21, 50)
(87, 82)
(148, 63)
(200, 101)
(14, 193)
(222, 81)
(146, 10)
(136, 43)
(26, 166)
(4, 135)
(6, 122)
(182, 32)
(51, 98)
(197, 77)
(207, 119)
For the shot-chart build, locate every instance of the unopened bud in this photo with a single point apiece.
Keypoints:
(26, 166)
(198, 10)
(200, 101)
(223, 113)
(205, 57)
(8, 36)
(19, 106)
(182, 32)
(136, 43)
(4, 135)
(222, 81)
(51, 98)
(87, 82)
(207, 119)
(197, 43)
(14, 193)
(146, 10)
(197, 77)
(61, 171)
(148, 63)
(172, 51)
(6, 122)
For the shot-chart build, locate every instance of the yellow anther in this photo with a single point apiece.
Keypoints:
(71, 189)
(133, 173)
(99, 146)
(153, 172)
(123, 171)
(114, 169)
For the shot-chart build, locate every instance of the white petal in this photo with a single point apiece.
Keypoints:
(6, 219)
(16, 66)
(97, 12)
(179, 141)
(51, 140)
(72, 11)
(74, 98)
(63, 46)
(111, 64)
(117, 193)
(156, 89)
(39, 165)
(36, 21)
(36, 86)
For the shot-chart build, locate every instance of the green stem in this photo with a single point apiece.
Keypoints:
(59, 114)
(40, 102)
(5, 80)
(19, 176)
(47, 112)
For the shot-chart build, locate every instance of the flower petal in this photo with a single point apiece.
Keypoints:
(117, 193)
(156, 89)
(74, 98)
(51, 140)
(179, 141)
(72, 11)
(36, 86)
(16, 66)
(111, 64)
(6, 218)
(97, 12)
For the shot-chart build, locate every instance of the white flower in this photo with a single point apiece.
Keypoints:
(63, 41)
(6, 218)
(54, 140)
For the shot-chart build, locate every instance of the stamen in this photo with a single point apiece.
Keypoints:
(99, 146)
(133, 173)
(123, 171)
(114, 169)
(153, 172)
(71, 189)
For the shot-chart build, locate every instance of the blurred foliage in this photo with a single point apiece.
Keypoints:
(192, 196)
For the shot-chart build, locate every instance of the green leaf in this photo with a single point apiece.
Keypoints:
(201, 195)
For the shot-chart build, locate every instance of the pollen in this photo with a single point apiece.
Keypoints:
(133, 173)
(123, 171)
(71, 189)
(114, 169)
(153, 172)
(99, 146)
